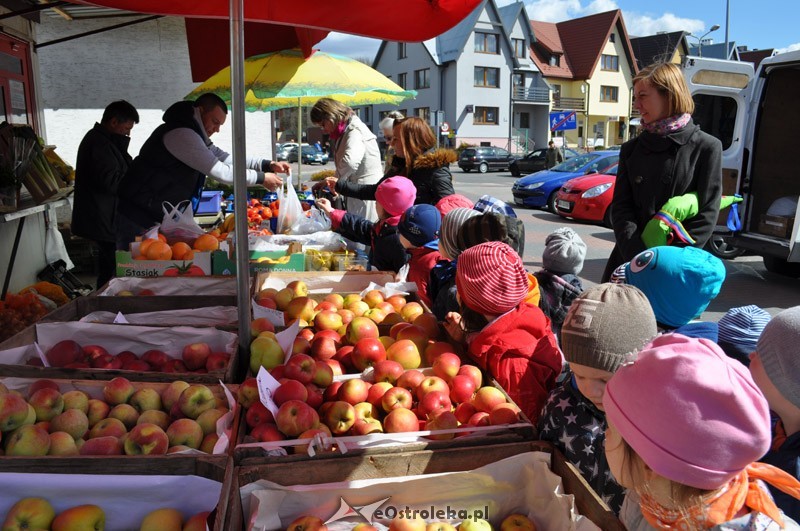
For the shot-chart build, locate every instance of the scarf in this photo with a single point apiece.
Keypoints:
(743, 491)
(337, 133)
(667, 125)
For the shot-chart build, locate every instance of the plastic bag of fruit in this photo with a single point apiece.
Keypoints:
(178, 224)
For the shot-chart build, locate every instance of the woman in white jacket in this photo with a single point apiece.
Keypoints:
(355, 150)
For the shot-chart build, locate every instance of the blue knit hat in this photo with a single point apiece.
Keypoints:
(739, 330)
(420, 225)
(679, 282)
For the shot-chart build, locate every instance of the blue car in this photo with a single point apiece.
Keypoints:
(539, 189)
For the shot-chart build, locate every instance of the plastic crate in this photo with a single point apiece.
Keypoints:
(210, 203)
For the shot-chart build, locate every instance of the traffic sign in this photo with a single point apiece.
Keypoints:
(445, 127)
(562, 121)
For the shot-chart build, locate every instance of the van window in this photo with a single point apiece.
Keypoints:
(714, 78)
(716, 115)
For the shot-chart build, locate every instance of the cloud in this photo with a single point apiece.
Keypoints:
(554, 10)
(790, 48)
(640, 24)
(349, 45)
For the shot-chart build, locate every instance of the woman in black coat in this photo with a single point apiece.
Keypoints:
(670, 157)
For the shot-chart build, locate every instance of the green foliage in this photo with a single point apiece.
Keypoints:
(461, 147)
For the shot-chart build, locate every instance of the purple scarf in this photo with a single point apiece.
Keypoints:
(667, 125)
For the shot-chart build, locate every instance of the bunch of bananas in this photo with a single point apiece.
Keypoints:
(265, 260)
(228, 224)
(320, 260)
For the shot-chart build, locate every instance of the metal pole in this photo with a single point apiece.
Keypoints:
(239, 168)
(727, 23)
(299, 143)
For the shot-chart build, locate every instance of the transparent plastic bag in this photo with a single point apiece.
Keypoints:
(178, 224)
(290, 211)
(315, 221)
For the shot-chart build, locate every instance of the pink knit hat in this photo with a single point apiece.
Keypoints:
(450, 202)
(396, 195)
(691, 413)
(491, 279)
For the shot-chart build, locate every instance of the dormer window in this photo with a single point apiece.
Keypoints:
(555, 60)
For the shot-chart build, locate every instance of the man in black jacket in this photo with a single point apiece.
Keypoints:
(102, 161)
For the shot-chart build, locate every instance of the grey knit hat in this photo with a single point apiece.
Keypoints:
(451, 225)
(777, 350)
(493, 227)
(564, 252)
(606, 326)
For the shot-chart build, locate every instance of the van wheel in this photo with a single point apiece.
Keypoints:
(780, 266)
(720, 247)
(483, 168)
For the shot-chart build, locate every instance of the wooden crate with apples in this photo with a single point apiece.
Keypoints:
(124, 491)
(449, 485)
(95, 351)
(51, 420)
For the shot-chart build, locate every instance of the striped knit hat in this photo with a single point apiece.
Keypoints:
(491, 279)
(451, 225)
(739, 330)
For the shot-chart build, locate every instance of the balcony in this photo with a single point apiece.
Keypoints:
(532, 95)
(568, 104)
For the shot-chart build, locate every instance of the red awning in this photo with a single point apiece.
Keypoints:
(209, 42)
(395, 20)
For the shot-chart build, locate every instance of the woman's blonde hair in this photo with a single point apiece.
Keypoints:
(668, 80)
(329, 109)
(417, 138)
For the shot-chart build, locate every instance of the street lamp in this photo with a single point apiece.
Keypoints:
(715, 27)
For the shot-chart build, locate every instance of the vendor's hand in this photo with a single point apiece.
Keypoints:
(324, 205)
(280, 167)
(272, 182)
(454, 326)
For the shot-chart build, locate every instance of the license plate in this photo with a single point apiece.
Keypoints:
(560, 203)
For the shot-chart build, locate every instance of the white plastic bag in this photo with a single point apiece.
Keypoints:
(290, 211)
(54, 248)
(316, 221)
(178, 224)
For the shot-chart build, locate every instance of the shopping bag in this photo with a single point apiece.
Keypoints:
(178, 224)
(291, 210)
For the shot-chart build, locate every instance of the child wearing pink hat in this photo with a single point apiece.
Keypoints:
(507, 337)
(393, 196)
(686, 424)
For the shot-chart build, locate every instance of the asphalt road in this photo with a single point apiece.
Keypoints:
(747, 282)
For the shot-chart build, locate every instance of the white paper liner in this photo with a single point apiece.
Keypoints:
(321, 241)
(205, 316)
(330, 282)
(173, 285)
(125, 499)
(520, 484)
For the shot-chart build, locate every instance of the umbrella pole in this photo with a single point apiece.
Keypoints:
(300, 142)
(239, 168)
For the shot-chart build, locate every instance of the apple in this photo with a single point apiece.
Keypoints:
(283, 298)
(125, 356)
(416, 334)
(31, 418)
(267, 432)
(367, 352)
(397, 301)
(197, 522)
(430, 384)
(315, 395)
(504, 413)
(324, 347)
(325, 305)
(13, 411)
(267, 302)
(106, 445)
(76, 400)
(118, 391)
(400, 420)
(159, 418)
(108, 427)
(397, 397)
(376, 392)
(410, 379)
(195, 355)
(481, 418)
(476, 524)
(387, 371)
(146, 439)
(195, 399)
(373, 297)
(396, 328)
(290, 390)
(97, 410)
(350, 298)
(301, 307)
(432, 350)
(301, 345)
(340, 417)
(125, 413)
(486, 398)
(411, 311)
(28, 440)
(392, 318)
(428, 322)
(405, 352)
(155, 358)
(335, 299)
(332, 391)
(353, 391)
(365, 410)
(462, 388)
(41, 384)
(137, 365)
(105, 361)
(34, 514)
(63, 353)
(260, 324)
(307, 523)
(375, 314)
(473, 372)
(145, 399)
(366, 426)
(247, 394)
(446, 366)
(93, 351)
(442, 420)
(78, 518)
(294, 417)
(163, 519)
(72, 421)
(434, 402)
(302, 449)
(217, 361)
(464, 412)
(265, 352)
(301, 368)
(257, 414)
(400, 523)
(48, 403)
(172, 393)
(439, 526)
(323, 374)
(335, 366)
(185, 432)
(363, 526)
(361, 328)
(174, 365)
(298, 287)
(62, 444)
(328, 320)
(517, 522)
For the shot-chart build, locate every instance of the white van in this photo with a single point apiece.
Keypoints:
(756, 116)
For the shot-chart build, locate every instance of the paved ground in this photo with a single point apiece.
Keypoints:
(748, 282)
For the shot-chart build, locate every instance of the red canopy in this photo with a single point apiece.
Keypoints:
(394, 20)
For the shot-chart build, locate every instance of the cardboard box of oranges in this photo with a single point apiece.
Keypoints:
(156, 257)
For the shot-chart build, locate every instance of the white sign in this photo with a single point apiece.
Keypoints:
(445, 127)
(267, 385)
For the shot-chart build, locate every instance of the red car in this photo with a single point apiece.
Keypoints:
(588, 198)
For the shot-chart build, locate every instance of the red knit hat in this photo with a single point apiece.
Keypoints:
(491, 279)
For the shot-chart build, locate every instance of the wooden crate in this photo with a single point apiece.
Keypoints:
(172, 286)
(418, 462)
(217, 468)
(331, 281)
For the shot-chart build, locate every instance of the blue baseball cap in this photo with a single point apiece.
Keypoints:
(420, 225)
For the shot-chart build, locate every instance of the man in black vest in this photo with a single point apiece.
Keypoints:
(102, 162)
(174, 162)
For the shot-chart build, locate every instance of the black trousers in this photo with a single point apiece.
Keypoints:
(106, 262)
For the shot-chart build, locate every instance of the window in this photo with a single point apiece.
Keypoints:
(555, 60)
(487, 77)
(485, 116)
(609, 94)
(609, 62)
(612, 38)
(401, 80)
(520, 50)
(519, 80)
(716, 115)
(524, 120)
(366, 115)
(422, 78)
(486, 43)
(401, 50)
(424, 113)
(621, 129)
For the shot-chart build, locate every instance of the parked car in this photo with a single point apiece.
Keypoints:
(310, 155)
(539, 189)
(534, 161)
(282, 150)
(588, 198)
(484, 158)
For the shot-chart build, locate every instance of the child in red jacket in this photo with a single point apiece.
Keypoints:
(419, 234)
(507, 337)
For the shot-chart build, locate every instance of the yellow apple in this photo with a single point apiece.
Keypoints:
(29, 514)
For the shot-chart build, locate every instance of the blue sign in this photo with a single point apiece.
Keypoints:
(562, 121)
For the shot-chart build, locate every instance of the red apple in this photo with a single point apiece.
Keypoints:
(432, 350)
(340, 417)
(290, 390)
(397, 397)
(307, 523)
(325, 306)
(328, 320)
(126, 356)
(248, 392)
(301, 308)
(261, 324)
(481, 418)
(156, 358)
(473, 372)
(324, 347)
(347, 316)
(294, 417)
(105, 361)
(267, 432)
(367, 352)
(307, 334)
(442, 420)
(332, 392)
(335, 299)
(504, 413)
(373, 297)
(486, 398)
(430, 384)
(400, 420)
(415, 333)
(323, 374)
(137, 365)
(434, 402)
(353, 391)
(64, 353)
(396, 328)
(376, 393)
(446, 366)
(335, 366)
(301, 345)
(92, 351)
(428, 322)
(405, 352)
(195, 355)
(217, 361)
(397, 301)
(462, 388)
(464, 412)
(361, 328)
(300, 367)
(387, 371)
(411, 311)
(173, 365)
(315, 396)
(366, 426)
(410, 379)
(257, 414)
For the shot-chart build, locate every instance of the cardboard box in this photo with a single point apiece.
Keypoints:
(128, 267)
(223, 264)
(778, 226)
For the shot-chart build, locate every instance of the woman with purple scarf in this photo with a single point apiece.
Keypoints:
(670, 157)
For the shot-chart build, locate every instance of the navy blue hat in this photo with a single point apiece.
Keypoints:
(420, 225)
(487, 203)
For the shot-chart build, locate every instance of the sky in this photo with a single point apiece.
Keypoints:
(756, 24)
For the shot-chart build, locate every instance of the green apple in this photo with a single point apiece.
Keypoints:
(477, 524)
(29, 514)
